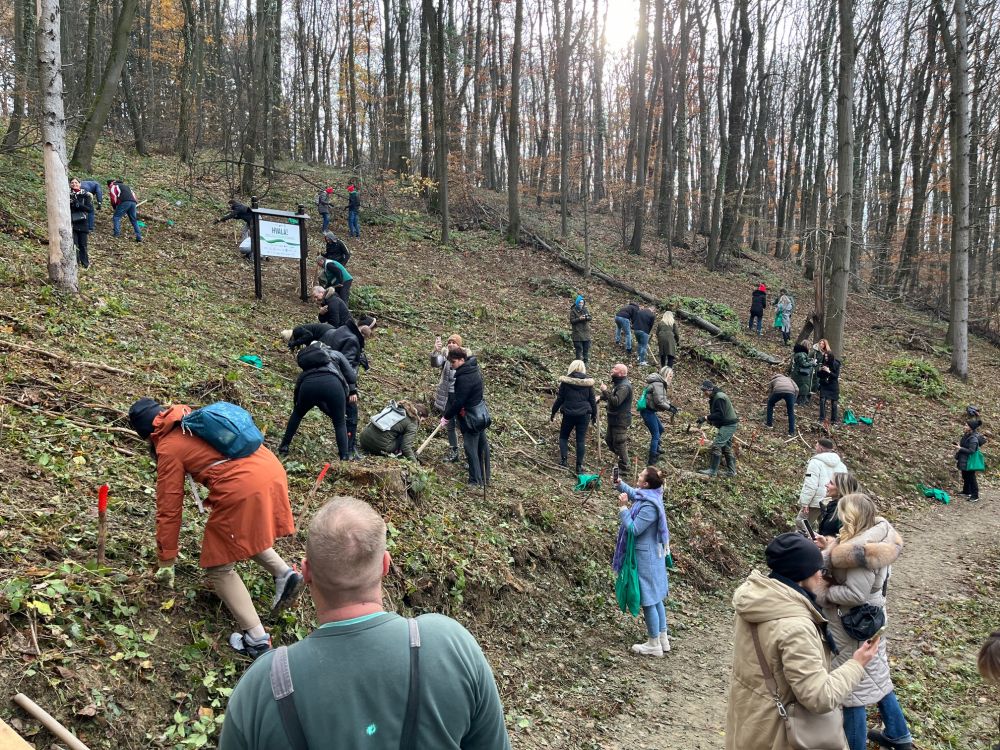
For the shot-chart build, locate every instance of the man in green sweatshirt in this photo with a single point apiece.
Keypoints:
(349, 683)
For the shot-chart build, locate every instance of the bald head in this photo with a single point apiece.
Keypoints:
(345, 552)
(619, 371)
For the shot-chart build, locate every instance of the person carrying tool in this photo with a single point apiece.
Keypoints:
(722, 416)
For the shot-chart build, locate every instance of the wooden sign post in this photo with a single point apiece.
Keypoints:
(278, 234)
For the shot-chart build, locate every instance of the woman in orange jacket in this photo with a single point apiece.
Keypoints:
(248, 509)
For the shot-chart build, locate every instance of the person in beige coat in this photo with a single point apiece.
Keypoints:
(793, 637)
(859, 563)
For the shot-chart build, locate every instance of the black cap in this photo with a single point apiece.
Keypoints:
(793, 556)
(707, 385)
(141, 416)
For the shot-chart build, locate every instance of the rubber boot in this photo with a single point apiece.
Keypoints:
(712, 470)
(730, 465)
(650, 648)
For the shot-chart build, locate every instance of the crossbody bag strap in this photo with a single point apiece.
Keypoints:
(283, 691)
(772, 686)
(408, 740)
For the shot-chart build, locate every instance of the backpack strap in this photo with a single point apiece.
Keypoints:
(283, 691)
(408, 740)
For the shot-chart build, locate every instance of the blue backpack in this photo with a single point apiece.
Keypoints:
(226, 427)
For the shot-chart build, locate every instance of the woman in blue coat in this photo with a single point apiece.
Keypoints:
(642, 508)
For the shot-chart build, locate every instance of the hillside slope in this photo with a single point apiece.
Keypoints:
(524, 566)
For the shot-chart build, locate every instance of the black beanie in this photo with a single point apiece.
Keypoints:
(141, 416)
(793, 556)
(707, 385)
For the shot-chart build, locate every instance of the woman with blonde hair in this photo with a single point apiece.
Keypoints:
(667, 339)
(841, 484)
(859, 564)
(578, 405)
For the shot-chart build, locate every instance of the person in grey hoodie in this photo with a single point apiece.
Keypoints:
(782, 388)
(445, 387)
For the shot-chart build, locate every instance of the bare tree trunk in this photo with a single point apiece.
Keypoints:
(353, 149)
(425, 115)
(840, 252)
(23, 27)
(681, 223)
(62, 256)
(957, 48)
(513, 134)
(639, 118)
(436, 29)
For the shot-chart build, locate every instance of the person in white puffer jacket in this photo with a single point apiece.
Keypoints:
(821, 468)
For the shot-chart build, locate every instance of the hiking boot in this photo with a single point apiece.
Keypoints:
(664, 642)
(283, 450)
(452, 455)
(563, 464)
(730, 466)
(972, 499)
(649, 648)
(286, 590)
(712, 470)
(879, 737)
(579, 469)
(243, 644)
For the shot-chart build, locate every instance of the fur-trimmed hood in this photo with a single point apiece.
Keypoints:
(877, 548)
(574, 379)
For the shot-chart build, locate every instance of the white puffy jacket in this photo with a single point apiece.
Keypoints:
(821, 468)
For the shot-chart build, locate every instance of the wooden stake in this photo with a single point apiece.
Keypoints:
(429, 438)
(49, 722)
(525, 431)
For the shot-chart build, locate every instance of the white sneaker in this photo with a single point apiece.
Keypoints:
(649, 648)
(664, 642)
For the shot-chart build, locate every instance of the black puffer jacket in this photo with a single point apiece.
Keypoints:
(336, 250)
(643, 320)
(468, 388)
(320, 361)
(628, 311)
(968, 444)
(80, 206)
(336, 313)
(348, 340)
(576, 397)
(758, 302)
(305, 335)
(829, 382)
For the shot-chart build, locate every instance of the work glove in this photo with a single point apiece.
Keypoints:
(165, 576)
(444, 422)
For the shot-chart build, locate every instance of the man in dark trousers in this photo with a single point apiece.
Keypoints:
(722, 416)
(124, 201)
(353, 209)
(94, 188)
(619, 400)
(623, 325)
(642, 326)
(758, 303)
(468, 397)
(377, 673)
(579, 322)
(323, 206)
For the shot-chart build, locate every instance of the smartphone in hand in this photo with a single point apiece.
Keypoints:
(615, 475)
(809, 528)
(878, 633)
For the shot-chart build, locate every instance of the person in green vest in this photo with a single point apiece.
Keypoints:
(392, 432)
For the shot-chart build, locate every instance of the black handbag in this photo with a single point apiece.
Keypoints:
(862, 622)
(476, 418)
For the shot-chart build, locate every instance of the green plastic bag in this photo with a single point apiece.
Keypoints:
(627, 585)
(866, 420)
(849, 417)
(976, 462)
(777, 320)
(585, 482)
(641, 403)
(935, 494)
(253, 359)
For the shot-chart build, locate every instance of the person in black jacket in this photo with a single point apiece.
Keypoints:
(623, 325)
(335, 249)
(467, 395)
(238, 211)
(327, 382)
(758, 303)
(642, 324)
(578, 405)
(305, 335)
(332, 309)
(81, 207)
(828, 375)
(968, 444)
(353, 211)
(349, 339)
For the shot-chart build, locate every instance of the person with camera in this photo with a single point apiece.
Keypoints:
(466, 403)
(640, 509)
(780, 629)
(859, 564)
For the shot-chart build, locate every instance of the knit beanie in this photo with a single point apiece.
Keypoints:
(793, 556)
(707, 385)
(141, 416)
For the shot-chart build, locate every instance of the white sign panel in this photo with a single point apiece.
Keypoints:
(279, 239)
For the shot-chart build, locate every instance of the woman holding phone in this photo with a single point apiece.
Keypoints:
(859, 566)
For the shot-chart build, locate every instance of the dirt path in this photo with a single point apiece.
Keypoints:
(685, 703)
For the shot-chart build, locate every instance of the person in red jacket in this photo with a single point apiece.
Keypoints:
(248, 509)
(124, 202)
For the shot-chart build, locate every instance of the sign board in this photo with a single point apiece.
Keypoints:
(279, 239)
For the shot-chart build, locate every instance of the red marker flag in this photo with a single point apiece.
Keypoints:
(319, 479)
(102, 499)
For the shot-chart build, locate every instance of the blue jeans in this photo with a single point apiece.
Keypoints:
(856, 723)
(126, 208)
(656, 619)
(90, 220)
(755, 317)
(789, 400)
(643, 339)
(623, 332)
(353, 225)
(326, 221)
(655, 428)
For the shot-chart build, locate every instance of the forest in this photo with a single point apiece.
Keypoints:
(855, 140)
